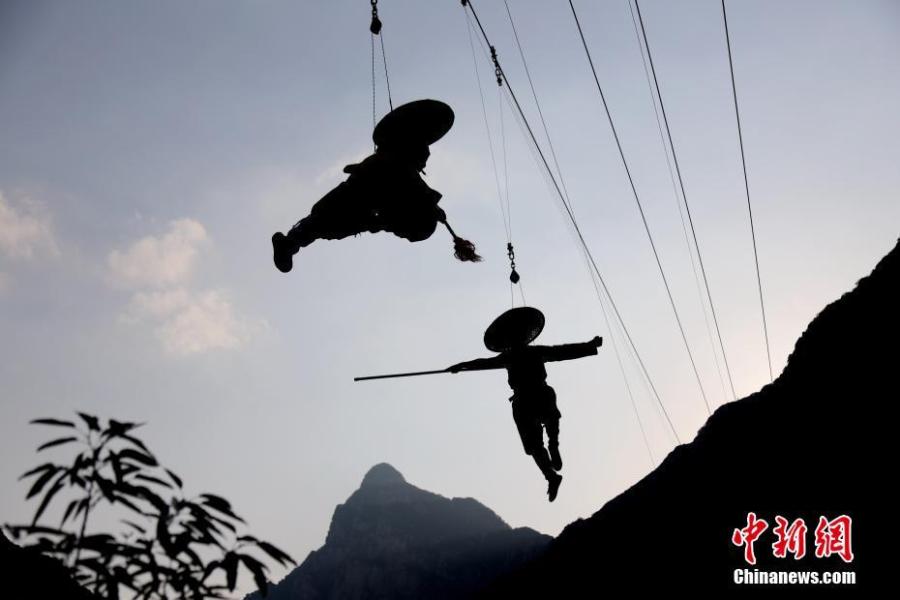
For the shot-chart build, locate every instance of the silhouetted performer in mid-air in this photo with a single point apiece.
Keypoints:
(533, 400)
(384, 192)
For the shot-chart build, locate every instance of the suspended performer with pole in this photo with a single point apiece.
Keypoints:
(533, 401)
(384, 192)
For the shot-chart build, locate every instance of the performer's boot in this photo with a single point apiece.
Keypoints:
(283, 250)
(302, 234)
(553, 479)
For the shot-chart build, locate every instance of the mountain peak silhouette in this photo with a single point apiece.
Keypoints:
(382, 474)
(390, 539)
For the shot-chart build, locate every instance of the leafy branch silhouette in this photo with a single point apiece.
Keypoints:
(171, 546)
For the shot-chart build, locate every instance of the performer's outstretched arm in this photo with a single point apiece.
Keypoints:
(570, 351)
(479, 364)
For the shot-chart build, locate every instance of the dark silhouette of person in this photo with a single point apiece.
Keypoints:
(533, 401)
(384, 192)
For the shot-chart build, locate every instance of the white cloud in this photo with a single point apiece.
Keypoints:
(192, 322)
(159, 271)
(25, 230)
(159, 261)
(158, 305)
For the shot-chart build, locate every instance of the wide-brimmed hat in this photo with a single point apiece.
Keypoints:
(422, 122)
(516, 327)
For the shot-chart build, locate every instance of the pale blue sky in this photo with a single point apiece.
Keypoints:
(149, 149)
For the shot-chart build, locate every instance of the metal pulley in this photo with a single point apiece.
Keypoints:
(375, 27)
(513, 274)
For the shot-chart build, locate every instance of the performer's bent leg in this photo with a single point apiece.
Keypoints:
(305, 232)
(532, 435)
(337, 215)
(284, 247)
(542, 460)
(549, 416)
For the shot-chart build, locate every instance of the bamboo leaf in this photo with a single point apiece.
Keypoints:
(141, 457)
(219, 504)
(133, 440)
(143, 493)
(57, 485)
(106, 486)
(210, 519)
(230, 564)
(55, 422)
(92, 422)
(83, 505)
(175, 478)
(36, 470)
(281, 556)
(119, 428)
(259, 572)
(42, 481)
(162, 533)
(212, 566)
(152, 479)
(69, 510)
(35, 529)
(57, 442)
(135, 526)
(117, 467)
(123, 500)
(195, 558)
(129, 468)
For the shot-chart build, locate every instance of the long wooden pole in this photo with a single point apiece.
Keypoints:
(392, 375)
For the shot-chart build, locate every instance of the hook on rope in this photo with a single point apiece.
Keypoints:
(375, 27)
(511, 253)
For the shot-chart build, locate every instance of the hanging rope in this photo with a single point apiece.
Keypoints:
(375, 29)
(737, 116)
(687, 206)
(537, 102)
(598, 289)
(387, 80)
(503, 147)
(637, 414)
(677, 198)
(641, 211)
(569, 200)
(514, 277)
(487, 127)
(570, 214)
(374, 116)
